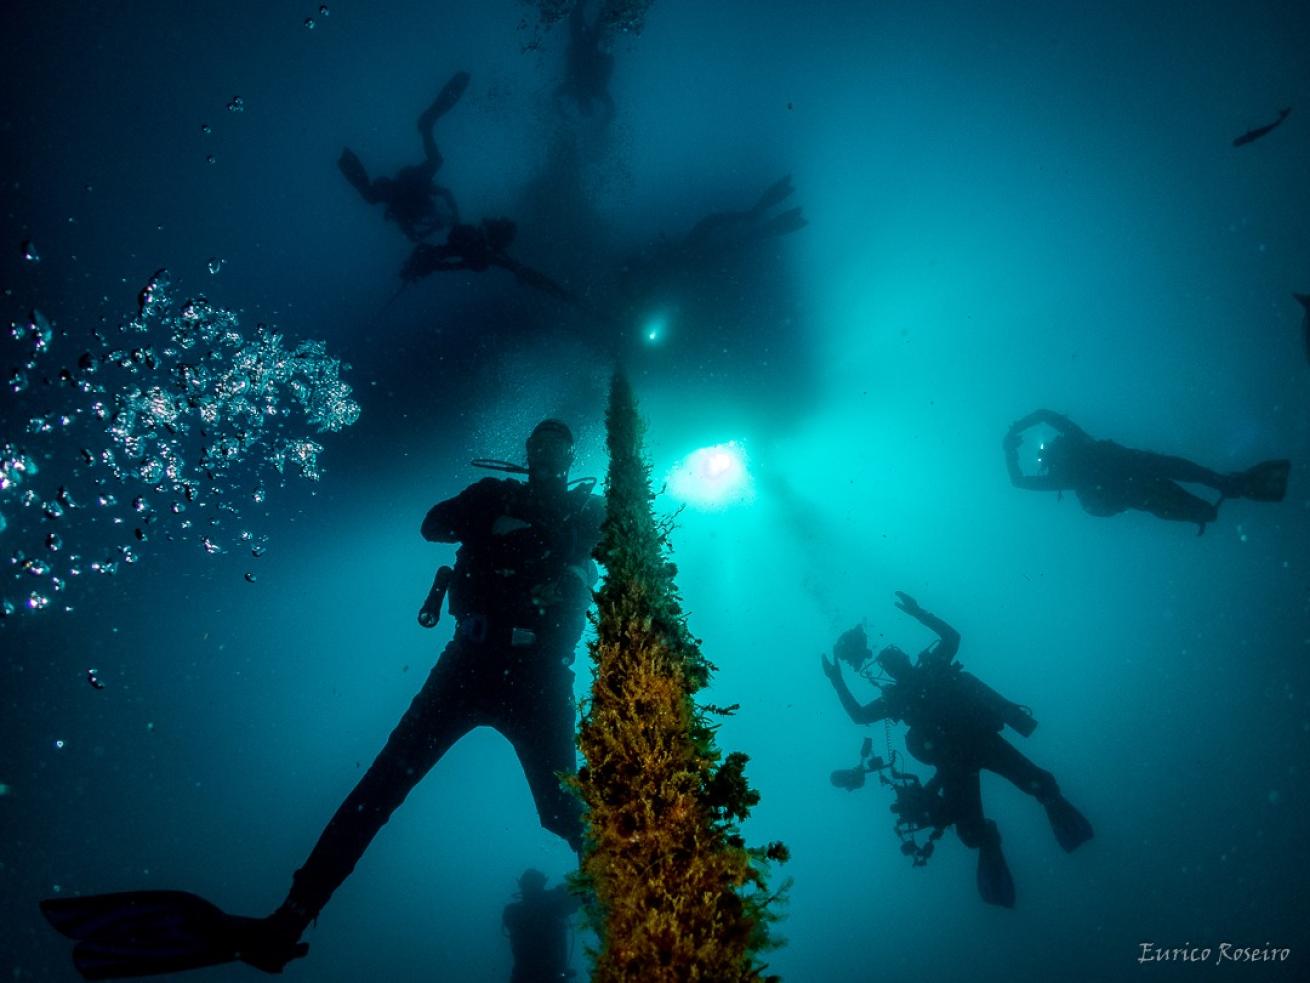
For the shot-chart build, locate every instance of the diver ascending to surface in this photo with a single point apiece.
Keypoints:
(587, 67)
(520, 590)
(1109, 478)
(954, 722)
(414, 200)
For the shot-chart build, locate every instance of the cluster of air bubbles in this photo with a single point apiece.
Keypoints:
(206, 129)
(236, 105)
(216, 265)
(171, 427)
(323, 11)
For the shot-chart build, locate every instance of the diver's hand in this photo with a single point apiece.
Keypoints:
(831, 669)
(906, 603)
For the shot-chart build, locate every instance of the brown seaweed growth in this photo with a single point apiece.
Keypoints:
(678, 896)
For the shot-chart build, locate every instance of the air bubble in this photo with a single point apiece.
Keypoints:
(216, 265)
(236, 105)
(29, 251)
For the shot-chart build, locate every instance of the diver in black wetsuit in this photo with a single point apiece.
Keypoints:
(519, 592)
(588, 66)
(954, 723)
(709, 252)
(732, 230)
(477, 248)
(537, 926)
(414, 200)
(1109, 478)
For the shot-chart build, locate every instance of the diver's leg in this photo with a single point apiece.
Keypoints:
(1167, 500)
(352, 168)
(1002, 757)
(449, 95)
(442, 712)
(541, 722)
(1070, 826)
(963, 792)
(1148, 464)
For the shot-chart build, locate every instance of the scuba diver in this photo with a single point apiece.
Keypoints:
(722, 231)
(955, 722)
(587, 66)
(714, 243)
(519, 592)
(414, 200)
(537, 926)
(1109, 478)
(477, 248)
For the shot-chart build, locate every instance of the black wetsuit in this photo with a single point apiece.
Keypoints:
(1109, 478)
(520, 592)
(537, 927)
(954, 725)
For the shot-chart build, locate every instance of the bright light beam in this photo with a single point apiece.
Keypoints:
(713, 477)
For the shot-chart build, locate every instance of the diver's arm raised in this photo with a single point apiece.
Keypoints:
(1029, 482)
(950, 638)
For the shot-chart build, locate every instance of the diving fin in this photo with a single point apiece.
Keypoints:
(773, 194)
(353, 168)
(1266, 482)
(449, 95)
(781, 225)
(145, 933)
(1070, 826)
(995, 884)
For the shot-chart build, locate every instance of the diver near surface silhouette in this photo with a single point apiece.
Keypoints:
(588, 67)
(537, 927)
(1109, 478)
(413, 199)
(519, 592)
(954, 722)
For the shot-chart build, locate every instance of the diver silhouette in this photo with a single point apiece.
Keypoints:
(477, 248)
(413, 199)
(587, 66)
(519, 592)
(1109, 478)
(537, 925)
(954, 722)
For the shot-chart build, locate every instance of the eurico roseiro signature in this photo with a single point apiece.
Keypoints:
(1224, 952)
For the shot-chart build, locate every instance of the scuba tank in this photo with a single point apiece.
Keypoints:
(430, 613)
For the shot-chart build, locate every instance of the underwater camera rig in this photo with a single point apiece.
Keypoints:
(918, 806)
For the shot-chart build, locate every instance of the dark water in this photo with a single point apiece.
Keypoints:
(1009, 205)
